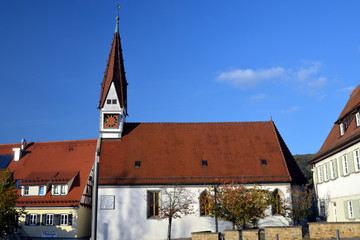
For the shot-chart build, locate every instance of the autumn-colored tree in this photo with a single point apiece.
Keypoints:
(301, 205)
(8, 196)
(237, 204)
(175, 203)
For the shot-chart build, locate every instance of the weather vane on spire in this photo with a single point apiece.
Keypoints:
(117, 19)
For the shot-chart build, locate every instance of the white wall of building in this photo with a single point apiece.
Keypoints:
(335, 192)
(128, 220)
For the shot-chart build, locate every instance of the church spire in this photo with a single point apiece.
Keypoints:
(117, 20)
(115, 71)
(113, 95)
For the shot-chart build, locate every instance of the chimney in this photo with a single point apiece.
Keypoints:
(18, 151)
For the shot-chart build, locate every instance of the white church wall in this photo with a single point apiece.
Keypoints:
(128, 218)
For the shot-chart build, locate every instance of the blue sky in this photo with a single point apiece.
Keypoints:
(186, 61)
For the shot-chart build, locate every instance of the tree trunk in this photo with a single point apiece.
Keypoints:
(169, 229)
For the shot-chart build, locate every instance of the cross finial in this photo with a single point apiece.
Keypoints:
(117, 19)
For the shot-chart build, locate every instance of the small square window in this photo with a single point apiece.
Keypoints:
(137, 164)
(263, 162)
(204, 163)
(114, 101)
(108, 101)
(107, 202)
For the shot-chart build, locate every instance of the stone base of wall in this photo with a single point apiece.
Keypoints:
(284, 233)
(318, 230)
(250, 234)
(232, 234)
(205, 236)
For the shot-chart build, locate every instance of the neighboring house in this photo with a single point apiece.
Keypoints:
(55, 181)
(138, 160)
(336, 167)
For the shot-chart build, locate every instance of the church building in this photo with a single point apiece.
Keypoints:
(136, 161)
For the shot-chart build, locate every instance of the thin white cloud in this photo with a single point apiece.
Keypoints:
(258, 97)
(318, 83)
(290, 110)
(305, 74)
(347, 89)
(245, 78)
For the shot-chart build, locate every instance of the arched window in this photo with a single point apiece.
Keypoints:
(204, 203)
(276, 202)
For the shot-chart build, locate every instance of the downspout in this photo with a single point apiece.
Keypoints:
(216, 218)
(95, 191)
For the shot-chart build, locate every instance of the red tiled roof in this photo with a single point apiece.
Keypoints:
(334, 142)
(173, 153)
(115, 72)
(354, 101)
(42, 160)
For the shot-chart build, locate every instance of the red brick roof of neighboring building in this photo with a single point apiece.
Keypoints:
(168, 153)
(115, 73)
(43, 161)
(334, 141)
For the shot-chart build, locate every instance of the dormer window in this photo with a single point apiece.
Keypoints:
(41, 190)
(357, 116)
(342, 129)
(59, 189)
(26, 190)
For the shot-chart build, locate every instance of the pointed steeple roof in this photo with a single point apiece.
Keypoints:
(115, 72)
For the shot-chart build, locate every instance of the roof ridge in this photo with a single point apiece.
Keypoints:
(236, 122)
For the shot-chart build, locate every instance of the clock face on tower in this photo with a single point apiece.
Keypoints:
(111, 120)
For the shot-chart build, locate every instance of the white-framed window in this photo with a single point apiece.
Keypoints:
(351, 209)
(49, 219)
(63, 190)
(357, 115)
(64, 219)
(320, 174)
(326, 173)
(332, 169)
(41, 190)
(59, 189)
(345, 165)
(342, 129)
(56, 189)
(26, 190)
(33, 219)
(357, 159)
(322, 208)
(335, 211)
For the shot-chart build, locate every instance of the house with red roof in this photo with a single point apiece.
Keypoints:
(54, 181)
(135, 161)
(336, 166)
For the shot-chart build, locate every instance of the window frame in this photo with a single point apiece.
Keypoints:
(64, 219)
(332, 170)
(26, 190)
(345, 164)
(357, 159)
(204, 200)
(342, 129)
(326, 173)
(32, 219)
(350, 209)
(49, 219)
(41, 190)
(320, 178)
(153, 204)
(357, 117)
(63, 189)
